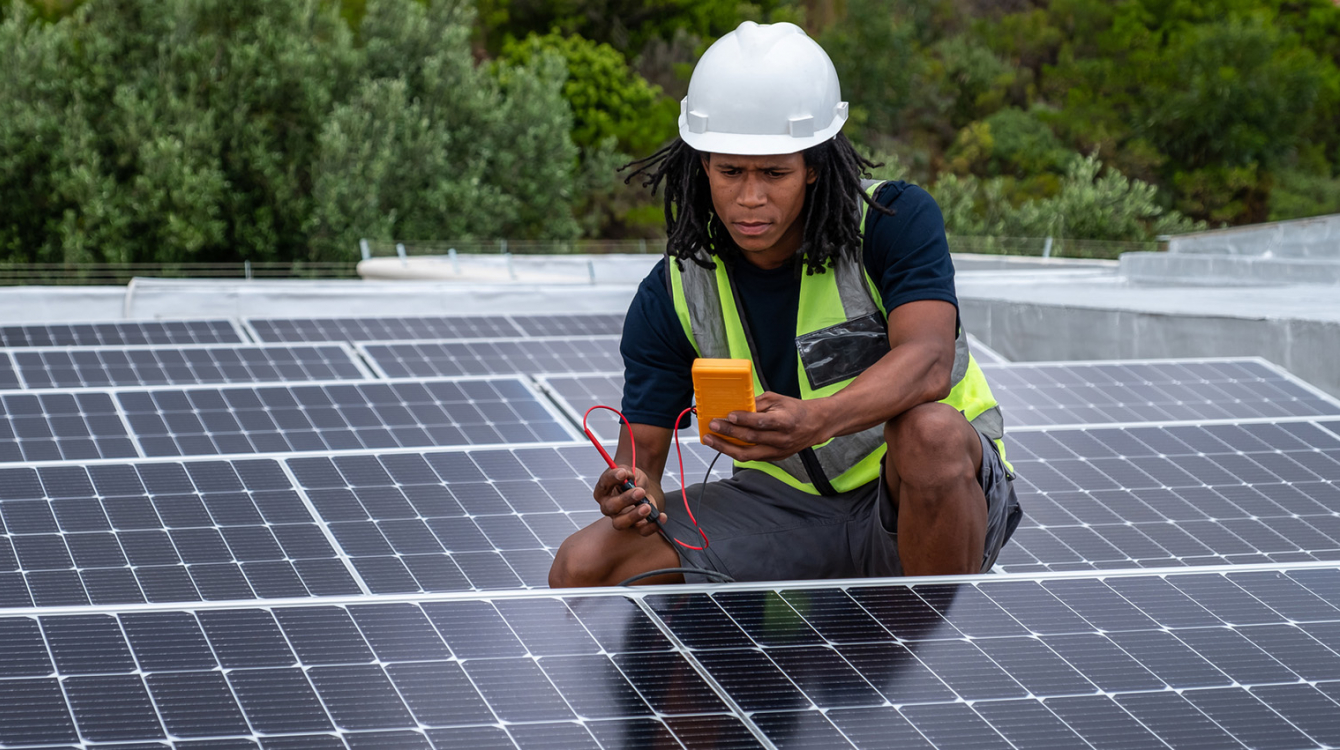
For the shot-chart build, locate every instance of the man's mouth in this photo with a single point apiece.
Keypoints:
(752, 228)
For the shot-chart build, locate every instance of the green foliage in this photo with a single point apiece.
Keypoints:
(204, 130)
(1009, 142)
(1089, 204)
(608, 98)
(628, 25)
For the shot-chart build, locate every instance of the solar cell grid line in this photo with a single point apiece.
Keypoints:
(456, 357)
(110, 534)
(292, 330)
(598, 673)
(335, 415)
(122, 333)
(1179, 495)
(109, 366)
(471, 520)
(1128, 391)
(588, 324)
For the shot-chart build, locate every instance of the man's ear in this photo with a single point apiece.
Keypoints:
(706, 158)
(811, 176)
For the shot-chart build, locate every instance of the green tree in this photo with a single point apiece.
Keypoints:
(608, 99)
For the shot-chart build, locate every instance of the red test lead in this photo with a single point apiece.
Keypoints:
(628, 485)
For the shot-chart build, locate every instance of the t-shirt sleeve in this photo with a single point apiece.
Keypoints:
(657, 356)
(907, 254)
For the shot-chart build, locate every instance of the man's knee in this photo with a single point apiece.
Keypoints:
(577, 563)
(928, 445)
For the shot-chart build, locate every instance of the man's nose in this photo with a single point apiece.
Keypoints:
(752, 194)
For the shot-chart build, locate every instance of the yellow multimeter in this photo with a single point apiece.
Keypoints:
(721, 386)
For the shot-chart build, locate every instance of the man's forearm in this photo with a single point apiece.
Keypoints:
(911, 374)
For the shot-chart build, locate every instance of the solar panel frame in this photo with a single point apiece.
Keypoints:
(489, 356)
(1176, 401)
(157, 434)
(172, 363)
(118, 532)
(1038, 661)
(17, 336)
(1104, 497)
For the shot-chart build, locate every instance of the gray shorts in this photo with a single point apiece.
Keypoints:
(761, 529)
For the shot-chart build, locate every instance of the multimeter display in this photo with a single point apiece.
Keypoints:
(721, 386)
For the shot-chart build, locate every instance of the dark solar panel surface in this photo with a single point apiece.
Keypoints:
(476, 519)
(1067, 393)
(113, 534)
(122, 333)
(1208, 660)
(298, 418)
(494, 356)
(160, 365)
(1103, 498)
(61, 426)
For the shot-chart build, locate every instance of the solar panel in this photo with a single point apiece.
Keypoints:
(574, 394)
(401, 359)
(588, 324)
(122, 333)
(1057, 394)
(84, 367)
(1105, 498)
(463, 520)
(1067, 393)
(287, 330)
(123, 533)
(1210, 660)
(339, 416)
(431, 327)
(62, 426)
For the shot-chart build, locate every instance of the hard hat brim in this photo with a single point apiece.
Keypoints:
(748, 144)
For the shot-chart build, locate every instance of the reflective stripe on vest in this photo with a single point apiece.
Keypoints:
(845, 294)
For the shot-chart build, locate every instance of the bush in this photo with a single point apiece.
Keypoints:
(219, 130)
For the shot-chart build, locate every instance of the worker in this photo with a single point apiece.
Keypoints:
(876, 443)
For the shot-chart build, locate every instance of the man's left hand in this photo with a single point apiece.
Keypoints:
(779, 427)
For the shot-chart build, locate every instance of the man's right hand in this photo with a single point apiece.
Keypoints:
(622, 506)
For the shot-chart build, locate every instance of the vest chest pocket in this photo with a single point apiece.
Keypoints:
(841, 352)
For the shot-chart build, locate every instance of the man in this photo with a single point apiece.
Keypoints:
(876, 441)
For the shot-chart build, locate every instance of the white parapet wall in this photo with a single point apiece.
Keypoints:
(1317, 237)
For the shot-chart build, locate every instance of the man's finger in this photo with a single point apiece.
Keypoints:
(729, 449)
(754, 420)
(628, 517)
(760, 437)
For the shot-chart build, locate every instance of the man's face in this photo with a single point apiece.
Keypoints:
(759, 199)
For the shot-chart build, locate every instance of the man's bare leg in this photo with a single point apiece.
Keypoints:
(931, 468)
(600, 555)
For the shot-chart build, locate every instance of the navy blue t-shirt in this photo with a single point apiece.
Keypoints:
(906, 255)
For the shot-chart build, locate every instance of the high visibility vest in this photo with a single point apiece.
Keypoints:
(841, 330)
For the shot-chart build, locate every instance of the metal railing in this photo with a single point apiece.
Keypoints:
(1042, 247)
(15, 274)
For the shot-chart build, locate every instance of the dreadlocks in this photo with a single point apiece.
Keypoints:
(831, 214)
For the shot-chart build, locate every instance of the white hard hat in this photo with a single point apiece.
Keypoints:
(762, 90)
